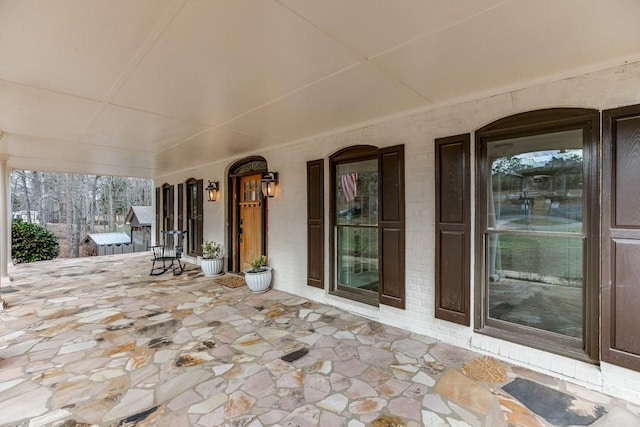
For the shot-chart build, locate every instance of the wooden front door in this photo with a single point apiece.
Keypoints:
(250, 223)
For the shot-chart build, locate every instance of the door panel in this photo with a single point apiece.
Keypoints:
(250, 227)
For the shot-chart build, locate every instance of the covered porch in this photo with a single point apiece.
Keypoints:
(97, 341)
(386, 131)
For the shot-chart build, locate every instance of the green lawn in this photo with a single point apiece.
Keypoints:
(547, 256)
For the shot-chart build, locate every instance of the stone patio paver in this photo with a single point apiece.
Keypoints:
(96, 341)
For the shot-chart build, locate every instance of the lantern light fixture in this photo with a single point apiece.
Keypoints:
(212, 190)
(269, 182)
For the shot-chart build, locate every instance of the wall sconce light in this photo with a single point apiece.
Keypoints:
(269, 182)
(212, 190)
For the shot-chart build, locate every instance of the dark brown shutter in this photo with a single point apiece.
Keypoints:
(315, 223)
(180, 207)
(170, 207)
(621, 237)
(158, 214)
(200, 218)
(391, 226)
(453, 229)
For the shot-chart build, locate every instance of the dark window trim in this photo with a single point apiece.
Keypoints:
(356, 152)
(238, 165)
(391, 225)
(168, 221)
(180, 207)
(158, 214)
(346, 155)
(199, 232)
(526, 124)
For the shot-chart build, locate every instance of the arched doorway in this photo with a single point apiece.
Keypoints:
(247, 213)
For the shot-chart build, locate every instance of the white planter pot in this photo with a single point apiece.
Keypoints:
(211, 266)
(258, 282)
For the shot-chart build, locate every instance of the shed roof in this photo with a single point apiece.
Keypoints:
(140, 215)
(108, 238)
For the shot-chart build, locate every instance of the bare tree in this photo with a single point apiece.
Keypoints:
(84, 203)
(69, 216)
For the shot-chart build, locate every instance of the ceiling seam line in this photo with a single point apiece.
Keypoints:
(75, 162)
(362, 58)
(237, 131)
(158, 30)
(439, 30)
(290, 93)
(164, 116)
(55, 92)
(183, 140)
(80, 142)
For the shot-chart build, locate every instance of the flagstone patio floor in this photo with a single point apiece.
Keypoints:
(97, 341)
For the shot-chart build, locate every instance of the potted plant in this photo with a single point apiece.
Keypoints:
(258, 277)
(212, 261)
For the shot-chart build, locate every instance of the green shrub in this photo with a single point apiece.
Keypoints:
(31, 242)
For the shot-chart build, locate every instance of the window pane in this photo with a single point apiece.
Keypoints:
(536, 281)
(357, 193)
(536, 183)
(358, 257)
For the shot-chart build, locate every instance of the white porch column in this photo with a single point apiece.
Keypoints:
(5, 226)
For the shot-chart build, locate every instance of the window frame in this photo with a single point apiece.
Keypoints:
(167, 207)
(195, 232)
(347, 155)
(528, 124)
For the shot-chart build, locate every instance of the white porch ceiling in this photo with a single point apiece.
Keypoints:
(146, 87)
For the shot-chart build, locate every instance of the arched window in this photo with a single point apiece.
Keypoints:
(194, 217)
(535, 247)
(367, 225)
(167, 207)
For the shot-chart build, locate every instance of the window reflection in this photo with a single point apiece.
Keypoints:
(535, 231)
(357, 225)
(537, 189)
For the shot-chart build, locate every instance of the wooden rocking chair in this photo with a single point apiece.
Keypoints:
(167, 256)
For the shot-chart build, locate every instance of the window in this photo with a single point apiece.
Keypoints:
(167, 207)
(535, 224)
(194, 217)
(367, 222)
(357, 227)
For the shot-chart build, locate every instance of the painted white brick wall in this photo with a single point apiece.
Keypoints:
(287, 212)
(620, 382)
